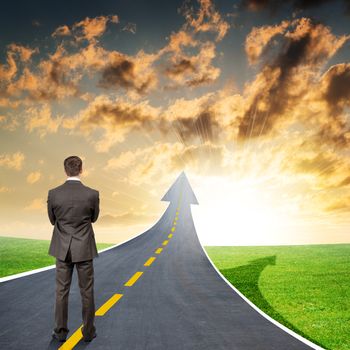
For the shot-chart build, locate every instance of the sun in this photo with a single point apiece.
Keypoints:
(239, 213)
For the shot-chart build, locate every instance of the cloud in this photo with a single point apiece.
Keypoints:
(12, 161)
(8, 122)
(61, 31)
(206, 19)
(157, 163)
(259, 37)
(92, 28)
(275, 5)
(339, 205)
(116, 117)
(133, 73)
(337, 80)
(41, 119)
(4, 189)
(194, 70)
(8, 70)
(33, 177)
(344, 182)
(25, 53)
(36, 204)
(289, 70)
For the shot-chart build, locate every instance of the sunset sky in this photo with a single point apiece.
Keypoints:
(251, 98)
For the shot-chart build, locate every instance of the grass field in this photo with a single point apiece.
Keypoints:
(306, 288)
(19, 255)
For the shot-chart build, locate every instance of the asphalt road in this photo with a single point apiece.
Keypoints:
(178, 302)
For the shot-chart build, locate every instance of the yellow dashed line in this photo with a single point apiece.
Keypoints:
(133, 279)
(149, 261)
(108, 304)
(73, 340)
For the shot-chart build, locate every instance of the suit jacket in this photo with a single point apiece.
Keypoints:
(72, 207)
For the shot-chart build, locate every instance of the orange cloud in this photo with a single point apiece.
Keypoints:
(135, 73)
(288, 73)
(12, 161)
(41, 119)
(92, 28)
(36, 204)
(115, 117)
(206, 19)
(61, 31)
(33, 177)
(259, 37)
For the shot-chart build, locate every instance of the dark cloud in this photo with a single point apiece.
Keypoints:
(338, 82)
(116, 114)
(121, 74)
(293, 52)
(204, 126)
(183, 66)
(336, 129)
(275, 5)
(306, 45)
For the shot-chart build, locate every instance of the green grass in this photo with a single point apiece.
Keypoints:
(19, 254)
(306, 288)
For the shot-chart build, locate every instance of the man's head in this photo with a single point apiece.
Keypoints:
(73, 166)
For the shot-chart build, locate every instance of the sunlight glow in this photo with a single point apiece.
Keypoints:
(250, 212)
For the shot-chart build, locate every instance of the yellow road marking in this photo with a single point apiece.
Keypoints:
(165, 242)
(149, 261)
(170, 235)
(108, 304)
(177, 213)
(73, 340)
(159, 250)
(176, 218)
(133, 279)
(173, 229)
(174, 223)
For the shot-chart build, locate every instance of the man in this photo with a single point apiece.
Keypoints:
(72, 207)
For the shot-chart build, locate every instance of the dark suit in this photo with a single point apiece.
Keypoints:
(72, 207)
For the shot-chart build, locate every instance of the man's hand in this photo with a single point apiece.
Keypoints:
(50, 212)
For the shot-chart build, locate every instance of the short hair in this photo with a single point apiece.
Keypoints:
(73, 165)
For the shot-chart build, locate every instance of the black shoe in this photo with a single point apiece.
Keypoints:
(60, 338)
(89, 339)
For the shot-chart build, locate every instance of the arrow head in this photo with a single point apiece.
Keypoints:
(181, 186)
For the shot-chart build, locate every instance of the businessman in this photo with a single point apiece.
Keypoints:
(72, 207)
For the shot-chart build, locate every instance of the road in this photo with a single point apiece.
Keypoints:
(156, 291)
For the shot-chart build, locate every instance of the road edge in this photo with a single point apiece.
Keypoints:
(262, 313)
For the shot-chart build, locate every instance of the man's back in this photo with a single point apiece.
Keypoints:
(72, 207)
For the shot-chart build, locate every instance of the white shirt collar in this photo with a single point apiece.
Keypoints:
(76, 178)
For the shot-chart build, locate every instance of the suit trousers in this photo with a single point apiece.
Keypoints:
(64, 272)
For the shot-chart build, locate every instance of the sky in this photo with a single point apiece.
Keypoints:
(250, 98)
